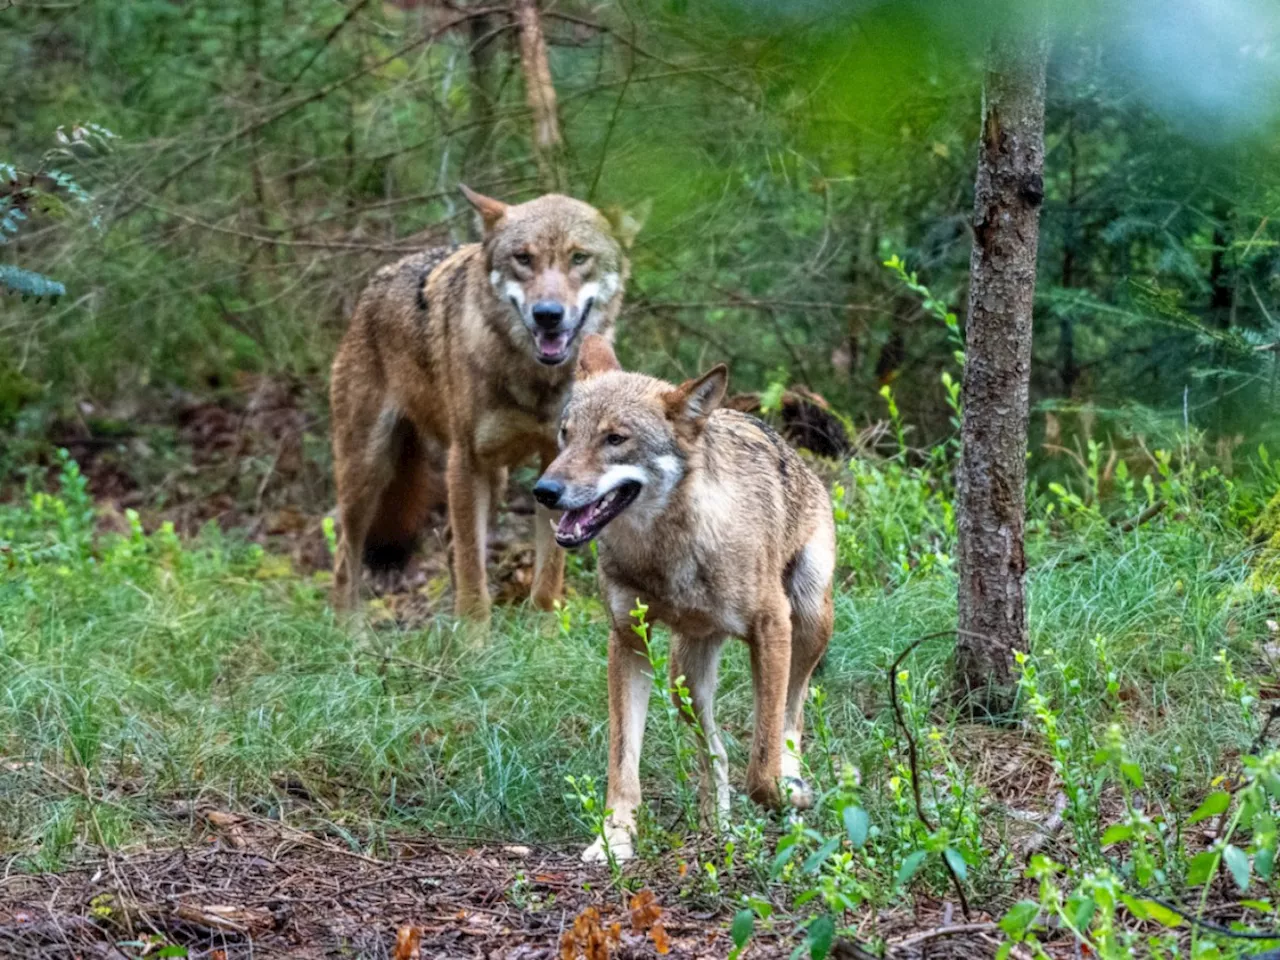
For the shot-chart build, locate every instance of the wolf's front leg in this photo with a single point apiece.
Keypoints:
(629, 688)
(698, 662)
(469, 498)
(548, 563)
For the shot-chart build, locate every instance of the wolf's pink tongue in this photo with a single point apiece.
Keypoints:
(553, 346)
(571, 518)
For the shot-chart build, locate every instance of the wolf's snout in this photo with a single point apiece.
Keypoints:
(548, 492)
(548, 315)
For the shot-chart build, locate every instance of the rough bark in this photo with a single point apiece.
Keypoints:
(540, 93)
(991, 502)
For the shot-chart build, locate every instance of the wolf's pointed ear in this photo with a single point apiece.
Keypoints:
(595, 356)
(490, 210)
(627, 223)
(696, 399)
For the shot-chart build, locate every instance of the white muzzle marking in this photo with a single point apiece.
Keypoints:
(617, 475)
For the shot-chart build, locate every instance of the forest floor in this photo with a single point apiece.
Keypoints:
(199, 760)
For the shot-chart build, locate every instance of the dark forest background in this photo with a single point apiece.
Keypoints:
(266, 155)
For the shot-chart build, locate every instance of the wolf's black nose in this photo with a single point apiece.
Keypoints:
(548, 492)
(547, 314)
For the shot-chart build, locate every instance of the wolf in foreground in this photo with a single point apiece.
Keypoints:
(461, 361)
(709, 518)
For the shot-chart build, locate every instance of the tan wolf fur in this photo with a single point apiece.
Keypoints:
(708, 517)
(460, 362)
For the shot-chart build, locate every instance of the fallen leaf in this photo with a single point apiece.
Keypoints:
(658, 934)
(227, 824)
(644, 911)
(408, 943)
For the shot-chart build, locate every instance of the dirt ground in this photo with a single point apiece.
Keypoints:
(251, 888)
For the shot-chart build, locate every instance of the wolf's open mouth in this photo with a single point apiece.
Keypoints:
(580, 526)
(553, 348)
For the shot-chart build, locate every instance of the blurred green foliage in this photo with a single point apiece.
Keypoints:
(272, 153)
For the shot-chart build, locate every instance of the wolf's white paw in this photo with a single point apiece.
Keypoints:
(799, 795)
(621, 844)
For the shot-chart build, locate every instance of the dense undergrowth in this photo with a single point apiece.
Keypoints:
(144, 671)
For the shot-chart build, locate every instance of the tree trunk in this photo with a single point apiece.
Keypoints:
(483, 95)
(548, 147)
(991, 500)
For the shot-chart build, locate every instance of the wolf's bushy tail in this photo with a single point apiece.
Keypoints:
(417, 488)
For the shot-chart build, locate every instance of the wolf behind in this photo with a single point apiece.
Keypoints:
(458, 363)
(707, 516)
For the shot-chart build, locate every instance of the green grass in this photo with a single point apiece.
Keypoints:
(163, 670)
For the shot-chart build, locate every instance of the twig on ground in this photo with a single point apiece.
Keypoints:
(1148, 514)
(1047, 830)
(954, 930)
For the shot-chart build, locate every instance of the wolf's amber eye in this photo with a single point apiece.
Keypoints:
(523, 258)
(615, 439)
(579, 258)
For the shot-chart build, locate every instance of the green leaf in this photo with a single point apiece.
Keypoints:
(170, 951)
(1214, 804)
(1161, 914)
(1262, 906)
(819, 856)
(856, 823)
(1133, 773)
(956, 862)
(28, 284)
(1238, 864)
(1264, 861)
(1117, 833)
(1202, 868)
(910, 866)
(1019, 918)
(1006, 948)
(1082, 909)
(1136, 906)
(744, 923)
(781, 860)
(822, 932)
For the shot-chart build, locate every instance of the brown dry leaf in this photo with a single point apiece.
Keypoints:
(218, 955)
(658, 934)
(615, 933)
(587, 934)
(228, 824)
(408, 943)
(644, 911)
